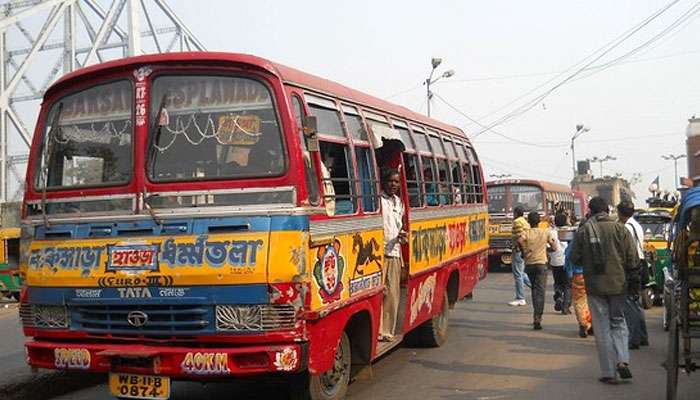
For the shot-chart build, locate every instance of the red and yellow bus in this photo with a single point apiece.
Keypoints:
(201, 216)
(532, 195)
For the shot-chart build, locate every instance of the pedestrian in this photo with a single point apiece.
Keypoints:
(533, 243)
(517, 263)
(634, 313)
(562, 284)
(606, 251)
(578, 293)
(394, 235)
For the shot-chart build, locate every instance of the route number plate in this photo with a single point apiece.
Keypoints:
(130, 386)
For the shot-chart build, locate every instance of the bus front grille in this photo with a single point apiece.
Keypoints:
(129, 319)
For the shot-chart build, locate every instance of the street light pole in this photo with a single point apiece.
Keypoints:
(580, 129)
(435, 62)
(675, 159)
(601, 161)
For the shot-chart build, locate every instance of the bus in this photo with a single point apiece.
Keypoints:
(532, 195)
(203, 216)
(580, 206)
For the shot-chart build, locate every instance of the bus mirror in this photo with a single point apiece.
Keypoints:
(310, 128)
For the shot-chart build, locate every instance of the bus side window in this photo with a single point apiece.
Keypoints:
(457, 184)
(413, 180)
(432, 190)
(367, 178)
(339, 177)
(445, 184)
(309, 170)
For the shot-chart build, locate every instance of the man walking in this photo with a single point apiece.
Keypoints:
(533, 243)
(394, 235)
(634, 314)
(562, 283)
(520, 225)
(606, 251)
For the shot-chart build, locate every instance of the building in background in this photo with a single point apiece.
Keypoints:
(611, 188)
(693, 148)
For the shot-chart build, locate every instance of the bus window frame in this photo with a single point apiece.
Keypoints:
(313, 155)
(363, 144)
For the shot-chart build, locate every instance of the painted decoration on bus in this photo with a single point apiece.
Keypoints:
(437, 241)
(286, 360)
(192, 259)
(328, 272)
(133, 257)
(64, 358)
(422, 297)
(367, 251)
(205, 363)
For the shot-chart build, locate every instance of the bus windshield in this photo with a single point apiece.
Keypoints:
(497, 199)
(91, 142)
(213, 127)
(527, 197)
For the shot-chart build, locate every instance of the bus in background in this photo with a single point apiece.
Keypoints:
(204, 216)
(580, 206)
(531, 195)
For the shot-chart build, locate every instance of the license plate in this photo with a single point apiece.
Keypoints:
(506, 228)
(130, 386)
(506, 259)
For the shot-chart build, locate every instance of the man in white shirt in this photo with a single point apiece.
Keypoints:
(394, 235)
(634, 314)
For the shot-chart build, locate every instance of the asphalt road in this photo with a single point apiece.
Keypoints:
(491, 353)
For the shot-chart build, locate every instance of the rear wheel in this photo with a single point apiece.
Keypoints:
(330, 385)
(433, 332)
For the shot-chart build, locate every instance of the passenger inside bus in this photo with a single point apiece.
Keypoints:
(337, 179)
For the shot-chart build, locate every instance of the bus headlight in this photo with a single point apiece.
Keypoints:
(43, 316)
(254, 318)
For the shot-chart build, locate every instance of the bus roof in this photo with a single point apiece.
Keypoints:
(546, 186)
(288, 75)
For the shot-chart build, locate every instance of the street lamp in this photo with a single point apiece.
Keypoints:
(435, 62)
(500, 176)
(675, 159)
(580, 129)
(601, 161)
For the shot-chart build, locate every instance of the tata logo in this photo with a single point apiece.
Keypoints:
(137, 319)
(134, 293)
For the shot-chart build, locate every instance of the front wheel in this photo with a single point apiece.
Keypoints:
(330, 385)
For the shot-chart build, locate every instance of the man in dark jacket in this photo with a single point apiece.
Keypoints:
(607, 252)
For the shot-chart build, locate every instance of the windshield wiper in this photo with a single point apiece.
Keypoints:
(48, 150)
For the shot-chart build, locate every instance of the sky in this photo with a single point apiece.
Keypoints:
(636, 110)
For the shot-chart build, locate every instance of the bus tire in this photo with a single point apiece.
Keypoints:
(332, 384)
(433, 332)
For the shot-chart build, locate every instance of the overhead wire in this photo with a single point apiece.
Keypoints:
(603, 52)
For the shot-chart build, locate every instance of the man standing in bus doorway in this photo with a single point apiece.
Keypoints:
(520, 225)
(634, 314)
(394, 235)
(606, 251)
(533, 243)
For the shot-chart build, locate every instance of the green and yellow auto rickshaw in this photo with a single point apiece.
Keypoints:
(10, 280)
(656, 222)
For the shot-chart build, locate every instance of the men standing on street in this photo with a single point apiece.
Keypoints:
(533, 243)
(607, 253)
(562, 284)
(394, 235)
(520, 225)
(634, 314)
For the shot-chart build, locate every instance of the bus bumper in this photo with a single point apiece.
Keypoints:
(187, 363)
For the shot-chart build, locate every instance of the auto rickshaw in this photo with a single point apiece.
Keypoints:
(10, 279)
(656, 223)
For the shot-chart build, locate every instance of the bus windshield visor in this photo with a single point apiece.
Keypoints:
(87, 139)
(527, 197)
(212, 127)
(497, 199)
